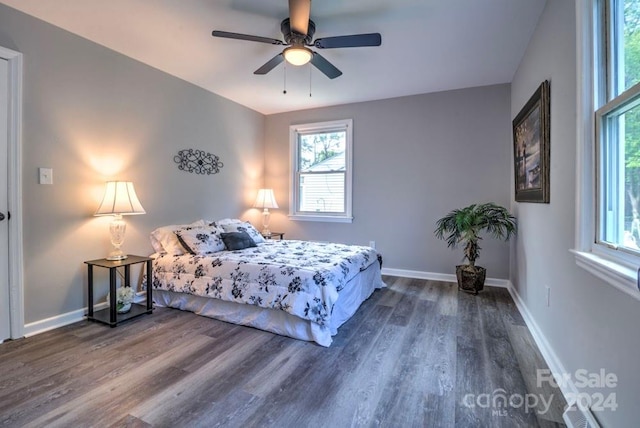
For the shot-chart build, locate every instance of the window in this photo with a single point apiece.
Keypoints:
(608, 238)
(321, 171)
(618, 126)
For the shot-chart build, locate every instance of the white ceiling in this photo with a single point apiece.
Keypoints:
(427, 45)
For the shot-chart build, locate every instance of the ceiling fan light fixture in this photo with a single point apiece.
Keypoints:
(297, 55)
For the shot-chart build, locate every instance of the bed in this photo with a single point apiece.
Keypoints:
(301, 289)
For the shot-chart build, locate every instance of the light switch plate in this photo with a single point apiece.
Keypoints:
(46, 175)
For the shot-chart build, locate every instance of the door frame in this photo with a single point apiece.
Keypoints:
(14, 158)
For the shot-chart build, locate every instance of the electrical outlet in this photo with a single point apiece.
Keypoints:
(372, 244)
(46, 175)
(548, 290)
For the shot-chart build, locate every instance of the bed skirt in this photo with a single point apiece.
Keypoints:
(356, 291)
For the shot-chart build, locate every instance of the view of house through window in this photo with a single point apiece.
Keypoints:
(321, 180)
(618, 124)
(322, 171)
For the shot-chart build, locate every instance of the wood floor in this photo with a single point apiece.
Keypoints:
(417, 354)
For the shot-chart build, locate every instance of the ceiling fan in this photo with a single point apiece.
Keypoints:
(298, 31)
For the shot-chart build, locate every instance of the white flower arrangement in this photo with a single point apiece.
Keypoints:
(124, 296)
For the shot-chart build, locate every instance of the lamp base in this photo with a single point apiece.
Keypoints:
(266, 215)
(116, 255)
(117, 228)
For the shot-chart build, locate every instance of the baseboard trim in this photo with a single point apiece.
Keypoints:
(444, 277)
(567, 388)
(58, 321)
(61, 320)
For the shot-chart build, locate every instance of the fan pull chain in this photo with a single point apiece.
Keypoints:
(309, 80)
(284, 91)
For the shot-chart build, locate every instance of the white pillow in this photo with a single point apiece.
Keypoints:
(201, 240)
(224, 221)
(164, 240)
(244, 227)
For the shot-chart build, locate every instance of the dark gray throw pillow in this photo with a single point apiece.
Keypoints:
(237, 240)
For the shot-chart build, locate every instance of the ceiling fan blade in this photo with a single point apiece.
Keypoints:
(248, 37)
(270, 65)
(353, 41)
(325, 66)
(299, 13)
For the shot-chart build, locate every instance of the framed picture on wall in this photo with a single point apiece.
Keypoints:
(531, 148)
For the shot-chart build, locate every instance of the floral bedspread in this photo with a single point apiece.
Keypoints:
(299, 277)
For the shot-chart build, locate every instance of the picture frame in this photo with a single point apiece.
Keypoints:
(531, 151)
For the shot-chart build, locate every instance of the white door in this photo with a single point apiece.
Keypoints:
(5, 327)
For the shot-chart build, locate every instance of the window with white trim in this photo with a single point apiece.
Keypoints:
(617, 104)
(608, 235)
(321, 164)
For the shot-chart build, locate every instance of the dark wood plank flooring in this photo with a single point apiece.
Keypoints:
(416, 354)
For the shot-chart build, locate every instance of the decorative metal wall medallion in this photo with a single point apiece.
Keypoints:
(198, 161)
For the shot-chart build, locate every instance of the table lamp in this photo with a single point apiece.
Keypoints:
(119, 199)
(265, 200)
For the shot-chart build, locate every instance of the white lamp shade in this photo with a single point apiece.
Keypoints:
(120, 198)
(265, 199)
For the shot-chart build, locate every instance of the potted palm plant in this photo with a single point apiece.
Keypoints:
(463, 226)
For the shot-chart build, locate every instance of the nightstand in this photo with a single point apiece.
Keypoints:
(109, 315)
(273, 235)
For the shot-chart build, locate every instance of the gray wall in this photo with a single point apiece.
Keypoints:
(589, 324)
(415, 159)
(94, 115)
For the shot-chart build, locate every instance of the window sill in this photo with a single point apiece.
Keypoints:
(320, 217)
(621, 277)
